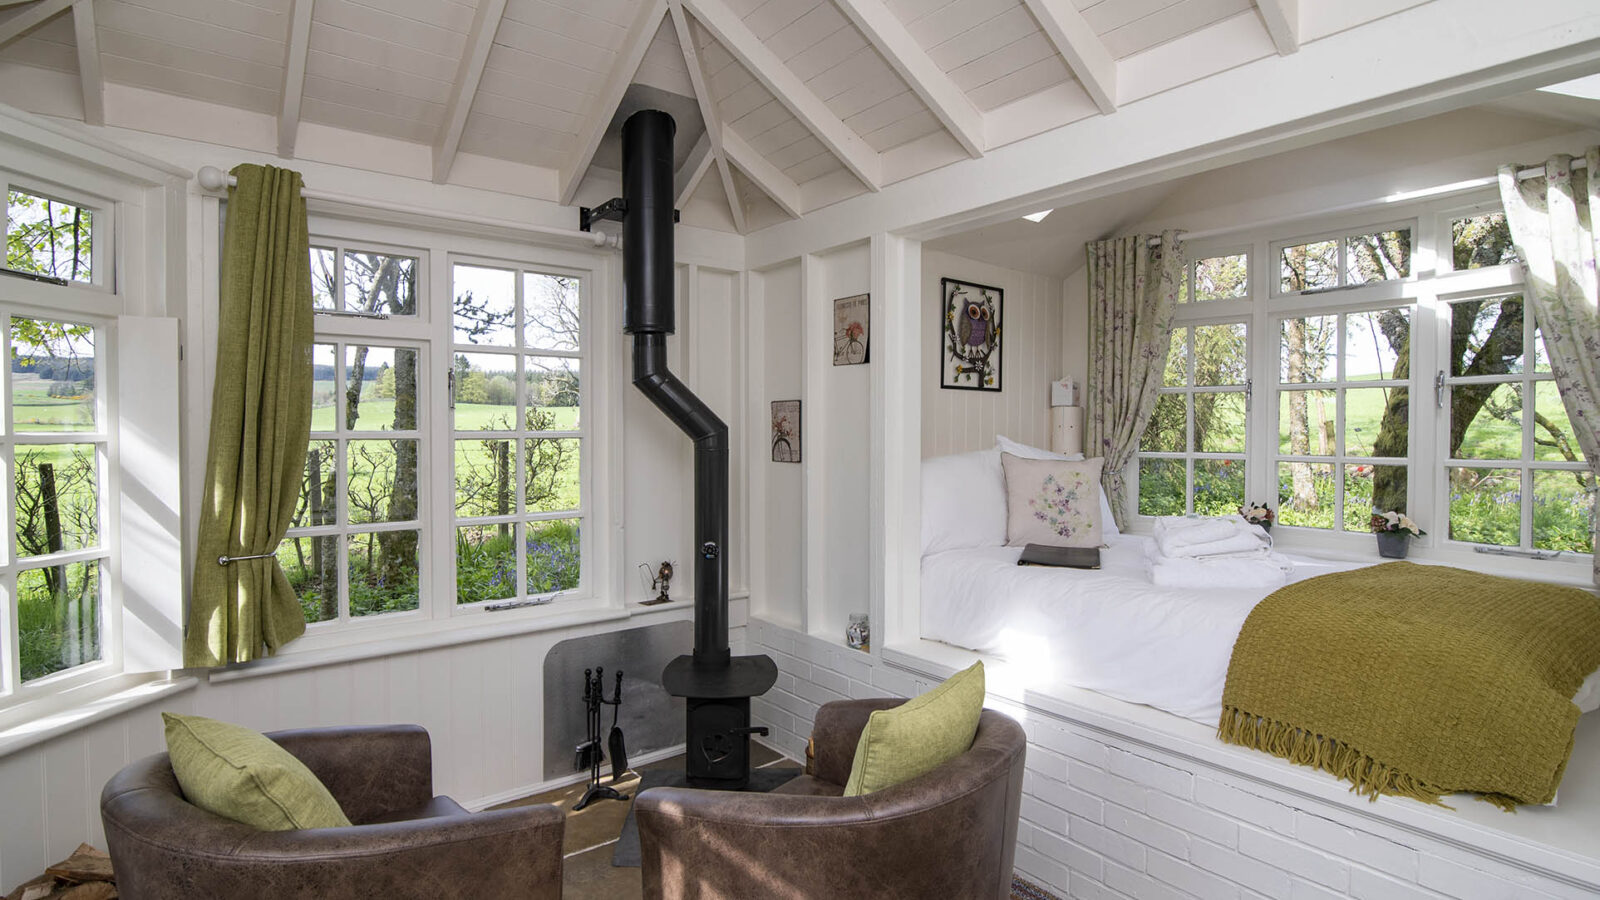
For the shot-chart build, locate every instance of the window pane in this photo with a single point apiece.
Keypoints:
(1487, 421)
(1308, 267)
(57, 499)
(1176, 374)
(1375, 421)
(1382, 256)
(1377, 344)
(49, 237)
(387, 397)
(383, 572)
(382, 481)
(553, 551)
(1486, 506)
(1552, 430)
(1305, 423)
(324, 278)
(325, 384)
(1168, 428)
(58, 617)
(550, 311)
(1369, 489)
(379, 283)
(1163, 487)
(1222, 277)
(1220, 353)
(1218, 486)
(486, 392)
(1479, 241)
(319, 487)
(1541, 358)
(52, 375)
(552, 474)
(1219, 422)
(486, 478)
(312, 565)
(1306, 349)
(1486, 336)
(486, 563)
(1305, 494)
(1563, 511)
(553, 393)
(485, 306)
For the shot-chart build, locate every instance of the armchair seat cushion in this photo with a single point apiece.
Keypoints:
(436, 808)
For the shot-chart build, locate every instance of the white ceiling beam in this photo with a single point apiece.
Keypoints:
(28, 19)
(629, 55)
(6, 3)
(726, 26)
(480, 40)
(296, 48)
(88, 42)
(949, 103)
(1283, 23)
(694, 169)
(780, 187)
(708, 110)
(1086, 55)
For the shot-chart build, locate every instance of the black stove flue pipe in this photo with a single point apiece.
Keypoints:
(649, 276)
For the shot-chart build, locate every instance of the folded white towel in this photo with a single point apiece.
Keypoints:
(1238, 543)
(1181, 531)
(1205, 537)
(1269, 571)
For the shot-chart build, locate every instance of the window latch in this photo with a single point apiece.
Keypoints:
(1438, 390)
(450, 387)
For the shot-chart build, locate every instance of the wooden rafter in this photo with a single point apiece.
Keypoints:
(1085, 53)
(726, 26)
(884, 30)
(296, 48)
(629, 55)
(89, 77)
(28, 19)
(694, 169)
(1282, 18)
(480, 40)
(780, 187)
(708, 111)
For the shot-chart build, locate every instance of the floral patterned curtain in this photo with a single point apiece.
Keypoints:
(1551, 223)
(1133, 293)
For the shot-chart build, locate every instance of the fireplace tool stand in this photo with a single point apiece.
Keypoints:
(591, 751)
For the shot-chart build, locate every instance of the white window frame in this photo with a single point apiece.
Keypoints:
(1341, 237)
(1244, 250)
(1191, 319)
(102, 229)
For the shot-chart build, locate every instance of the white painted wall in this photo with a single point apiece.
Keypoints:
(778, 526)
(845, 403)
(1030, 339)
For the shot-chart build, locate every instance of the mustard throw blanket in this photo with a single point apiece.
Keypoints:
(1416, 680)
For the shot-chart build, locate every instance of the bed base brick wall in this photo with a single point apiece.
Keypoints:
(1104, 818)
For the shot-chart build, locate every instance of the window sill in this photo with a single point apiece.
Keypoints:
(121, 699)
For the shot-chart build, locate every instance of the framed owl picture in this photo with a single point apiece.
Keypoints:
(969, 343)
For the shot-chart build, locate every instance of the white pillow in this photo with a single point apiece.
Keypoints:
(1108, 523)
(963, 502)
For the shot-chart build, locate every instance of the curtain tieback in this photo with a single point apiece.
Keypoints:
(224, 560)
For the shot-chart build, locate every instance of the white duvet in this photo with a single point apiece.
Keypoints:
(1108, 630)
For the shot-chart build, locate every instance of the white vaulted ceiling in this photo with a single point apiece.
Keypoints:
(791, 105)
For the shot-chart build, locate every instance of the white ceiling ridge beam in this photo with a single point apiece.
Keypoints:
(708, 111)
(694, 169)
(1085, 53)
(951, 105)
(1282, 18)
(780, 187)
(629, 56)
(480, 40)
(28, 19)
(726, 26)
(89, 75)
(296, 48)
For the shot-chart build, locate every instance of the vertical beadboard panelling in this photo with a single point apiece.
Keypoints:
(960, 421)
(846, 489)
(66, 776)
(107, 744)
(782, 596)
(22, 824)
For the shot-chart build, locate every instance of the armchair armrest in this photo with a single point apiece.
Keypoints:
(835, 732)
(373, 771)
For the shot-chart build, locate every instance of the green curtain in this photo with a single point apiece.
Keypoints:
(260, 425)
(1551, 223)
(1133, 294)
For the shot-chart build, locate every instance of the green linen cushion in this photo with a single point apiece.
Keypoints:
(919, 735)
(242, 775)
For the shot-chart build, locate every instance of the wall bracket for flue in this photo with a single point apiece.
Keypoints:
(615, 209)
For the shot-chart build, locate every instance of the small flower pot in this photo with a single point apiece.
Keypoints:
(1265, 526)
(1393, 544)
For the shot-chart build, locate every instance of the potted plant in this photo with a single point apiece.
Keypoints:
(1395, 531)
(1258, 514)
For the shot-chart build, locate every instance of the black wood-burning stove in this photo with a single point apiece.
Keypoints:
(716, 685)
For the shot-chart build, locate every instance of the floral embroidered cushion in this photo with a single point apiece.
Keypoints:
(1054, 502)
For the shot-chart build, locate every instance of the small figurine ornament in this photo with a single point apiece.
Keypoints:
(660, 582)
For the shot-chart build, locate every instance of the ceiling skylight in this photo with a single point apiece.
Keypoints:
(1038, 216)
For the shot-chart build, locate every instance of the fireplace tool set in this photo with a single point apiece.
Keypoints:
(590, 753)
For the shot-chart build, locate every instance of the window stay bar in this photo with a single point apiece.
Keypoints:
(352, 314)
(34, 276)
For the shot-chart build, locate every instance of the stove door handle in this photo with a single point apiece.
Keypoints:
(760, 730)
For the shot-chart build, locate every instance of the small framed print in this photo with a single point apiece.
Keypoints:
(969, 341)
(852, 330)
(786, 431)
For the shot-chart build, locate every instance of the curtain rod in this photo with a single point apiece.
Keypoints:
(1459, 187)
(214, 179)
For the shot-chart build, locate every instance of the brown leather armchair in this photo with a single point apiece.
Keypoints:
(949, 833)
(405, 841)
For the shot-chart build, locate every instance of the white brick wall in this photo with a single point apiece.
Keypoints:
(1114, 819)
